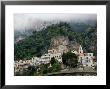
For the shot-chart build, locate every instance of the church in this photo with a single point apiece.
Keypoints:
(85, 59)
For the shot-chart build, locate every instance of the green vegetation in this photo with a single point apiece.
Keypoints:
(70, 59)
(39, 42)
(27, 72)
(56, 66)
(53, 66)
(43, 69)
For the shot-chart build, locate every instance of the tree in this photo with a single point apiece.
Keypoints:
(56, 66)
(70, 59)
(39, 42)
(53, 61)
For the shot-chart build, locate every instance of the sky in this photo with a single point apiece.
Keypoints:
(22, 21)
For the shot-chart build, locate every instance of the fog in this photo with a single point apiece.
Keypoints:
(24, 21)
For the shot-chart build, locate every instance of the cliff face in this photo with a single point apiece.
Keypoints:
(73, 45)
(63, 44)
(60, 43)
(60, 40)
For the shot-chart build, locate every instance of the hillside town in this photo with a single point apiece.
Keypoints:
(60, 46)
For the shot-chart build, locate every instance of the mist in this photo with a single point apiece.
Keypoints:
(28, 21)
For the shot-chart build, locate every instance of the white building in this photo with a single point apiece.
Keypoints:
(52, 53)
(86, 59)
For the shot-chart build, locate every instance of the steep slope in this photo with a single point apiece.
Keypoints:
(40, 41)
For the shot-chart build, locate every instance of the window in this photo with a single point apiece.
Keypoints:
(86, 60)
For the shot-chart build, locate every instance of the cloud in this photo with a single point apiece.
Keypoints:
(24, 21)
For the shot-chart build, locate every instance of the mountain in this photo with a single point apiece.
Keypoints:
(81, 26)
(38, 25)
(39, 42)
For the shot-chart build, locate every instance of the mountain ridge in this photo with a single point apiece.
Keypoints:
(40, 41)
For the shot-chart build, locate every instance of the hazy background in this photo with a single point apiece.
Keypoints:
(36, 21)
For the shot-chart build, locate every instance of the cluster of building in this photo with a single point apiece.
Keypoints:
(36, 61)
(85, 59)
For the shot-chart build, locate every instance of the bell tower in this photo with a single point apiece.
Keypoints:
(80, 49)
